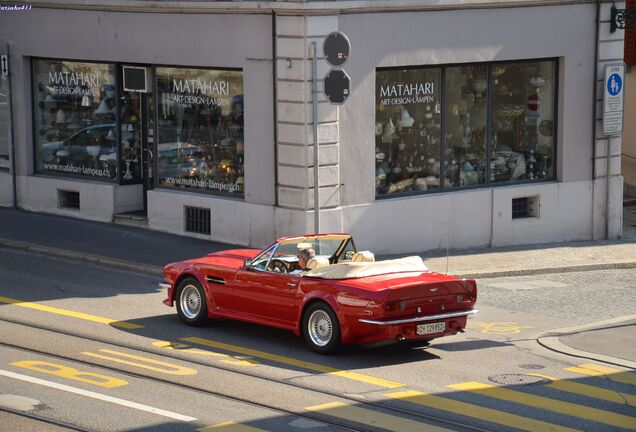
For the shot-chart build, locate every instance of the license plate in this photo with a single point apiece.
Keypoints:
(431, 328)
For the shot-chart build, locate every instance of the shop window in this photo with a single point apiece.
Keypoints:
(487, 124)
(200, 129)
(5, 119)
(523, 121)
(74, 119)
(407, 130)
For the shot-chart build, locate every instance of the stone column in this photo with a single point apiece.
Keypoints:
(608, 218)
(295, 144)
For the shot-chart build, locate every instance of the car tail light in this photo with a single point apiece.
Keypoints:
(464, 298)
(395, 306)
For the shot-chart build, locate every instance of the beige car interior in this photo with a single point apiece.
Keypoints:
(349, 270)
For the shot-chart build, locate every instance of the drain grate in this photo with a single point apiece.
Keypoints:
(517, 379)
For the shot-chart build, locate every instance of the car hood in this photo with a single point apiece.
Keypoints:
(234, 258)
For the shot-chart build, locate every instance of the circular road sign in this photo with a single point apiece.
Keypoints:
(337, 86)
(336, 48)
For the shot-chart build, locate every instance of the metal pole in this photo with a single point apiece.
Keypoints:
(314, 83)
(11, 132)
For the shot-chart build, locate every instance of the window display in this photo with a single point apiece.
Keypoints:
(465, 120)
(200, 129)
(490, 123)
(75, 129)
(4, 122)
(407, 130)
(523, 121)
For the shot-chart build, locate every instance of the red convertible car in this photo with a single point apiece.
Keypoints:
(343, 296)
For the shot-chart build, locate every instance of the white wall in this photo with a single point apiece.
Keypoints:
(6, 189)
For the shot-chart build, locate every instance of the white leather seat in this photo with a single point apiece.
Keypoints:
(317, 262)
(363, 256)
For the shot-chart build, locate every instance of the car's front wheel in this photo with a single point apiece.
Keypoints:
(191, 303)
(321, 328)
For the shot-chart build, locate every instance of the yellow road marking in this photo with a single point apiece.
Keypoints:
(70, 313)
(602, 371)
(230, 427)
(294, 362)
(497, 327)
(548, 404)
(166, 368)
(188, 349)
(372, 418)
(475, 411)
(589, 391)
(71, 373)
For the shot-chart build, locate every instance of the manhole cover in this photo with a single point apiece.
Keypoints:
(517, 379)
(532, 366)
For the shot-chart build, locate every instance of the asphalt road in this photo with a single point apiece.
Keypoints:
(95, 349)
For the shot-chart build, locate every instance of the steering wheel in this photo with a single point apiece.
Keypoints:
(279, 266)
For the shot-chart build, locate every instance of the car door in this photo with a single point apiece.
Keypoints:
(267, 295)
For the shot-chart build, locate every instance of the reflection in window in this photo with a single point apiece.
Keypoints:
(498, 126)
(465, 117)
(200, 126)
(407, 130)
(523, 121)
(4, 122)
(75, 107)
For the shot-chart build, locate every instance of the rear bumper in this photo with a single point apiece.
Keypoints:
(427, 318)
(168, 301)
(369, 331)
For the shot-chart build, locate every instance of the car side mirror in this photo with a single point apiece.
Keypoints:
(248, 264)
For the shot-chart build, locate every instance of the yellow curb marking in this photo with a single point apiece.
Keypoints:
(71, 373)
(70, 313)
(230, 427)
(615, 375)
(478, 412)
(589, 391)
(176, 346)
(167, 368)
(372, 418)
(294, 362)
(548, 404)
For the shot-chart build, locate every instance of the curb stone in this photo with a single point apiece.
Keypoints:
(82, 257)
(550, 340)
(157, 270)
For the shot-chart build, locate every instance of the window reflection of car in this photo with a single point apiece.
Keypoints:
(178, 159)
(94, 142)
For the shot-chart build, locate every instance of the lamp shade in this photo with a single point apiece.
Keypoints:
(86, 101)
(102, 108)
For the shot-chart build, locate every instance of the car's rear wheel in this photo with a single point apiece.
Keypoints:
(191, 303)
(321, 328)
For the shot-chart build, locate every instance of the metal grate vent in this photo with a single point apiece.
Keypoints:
(68, 199)
(197, 220)
(525, 207)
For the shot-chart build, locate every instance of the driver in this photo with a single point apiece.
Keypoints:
(303, 257)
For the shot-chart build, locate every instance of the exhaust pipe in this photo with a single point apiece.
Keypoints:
(401, 338)
(461, 330)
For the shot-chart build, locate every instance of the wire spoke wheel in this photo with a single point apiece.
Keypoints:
(320, 328)
(190, 301)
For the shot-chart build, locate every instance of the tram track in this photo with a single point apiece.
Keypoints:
(293, 385)
(46, 420)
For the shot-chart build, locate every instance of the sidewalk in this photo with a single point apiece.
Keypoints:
(146, 251)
